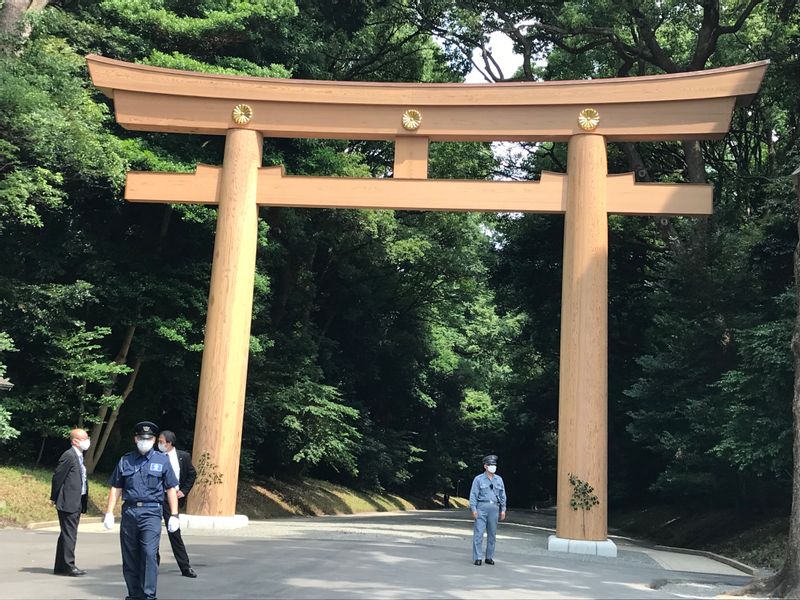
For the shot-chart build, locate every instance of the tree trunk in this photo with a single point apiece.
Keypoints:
(92, 456)
(636, 164)
(786, 583)
(82, 392)
(284, 285)
(41, 450)
(100, 444)
(788, 579)
(13, 12)
(695, 165)
(696, 173)
(102, 430)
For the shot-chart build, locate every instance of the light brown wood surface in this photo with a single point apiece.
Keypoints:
(694, 105)
(223, 375)
(741, 80)
(583, 377)
(410, 158)
(690, 119)
(549, 195)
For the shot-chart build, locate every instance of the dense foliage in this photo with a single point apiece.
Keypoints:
(394, 349)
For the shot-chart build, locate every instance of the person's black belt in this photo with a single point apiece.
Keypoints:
(143, 504)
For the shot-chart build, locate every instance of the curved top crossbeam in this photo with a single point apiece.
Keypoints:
(695, 105)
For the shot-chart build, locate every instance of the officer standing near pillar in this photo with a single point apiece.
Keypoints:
(142, 477)
(487, 501)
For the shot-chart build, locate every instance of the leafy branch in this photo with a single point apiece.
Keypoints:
(582, 497)
(207, 473)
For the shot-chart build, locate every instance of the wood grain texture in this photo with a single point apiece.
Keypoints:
(223, 376)
(737, 81)
(583, 376)
(549, 195)
(411, 157)
(677, 120)
(694, 105)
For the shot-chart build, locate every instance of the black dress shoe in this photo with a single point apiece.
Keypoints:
(489, 561)
(75, 572)
(478, 563)
(189, 573)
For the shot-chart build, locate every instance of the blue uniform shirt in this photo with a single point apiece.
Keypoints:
(487, 490)
(143, 477)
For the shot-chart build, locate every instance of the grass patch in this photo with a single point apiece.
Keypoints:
(756, 540)
(762, 544)
(25, 498)
(270, 498)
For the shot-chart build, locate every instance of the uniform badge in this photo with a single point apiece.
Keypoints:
(158, 467)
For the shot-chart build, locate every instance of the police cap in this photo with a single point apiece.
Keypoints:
(490, 460)
(145, 429)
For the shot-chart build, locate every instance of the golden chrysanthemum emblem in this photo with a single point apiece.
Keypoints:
(242, 114)
(412, 119)
(588, 119)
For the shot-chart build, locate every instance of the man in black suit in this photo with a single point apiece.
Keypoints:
(69, 491)
(181, 462)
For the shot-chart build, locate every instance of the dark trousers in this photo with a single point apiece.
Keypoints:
(176, 541)
(65, 549)
(139, 532)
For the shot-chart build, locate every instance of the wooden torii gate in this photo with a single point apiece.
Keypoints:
(586, 114)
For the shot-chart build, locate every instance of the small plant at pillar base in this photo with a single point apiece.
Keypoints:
(207, 473)
(582, 498)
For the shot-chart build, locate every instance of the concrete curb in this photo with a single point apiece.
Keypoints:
(731, 562)
(46, 524)
(712, 555)
(706, 553)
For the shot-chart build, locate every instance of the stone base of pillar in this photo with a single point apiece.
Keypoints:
(598, 548)
(205, 522)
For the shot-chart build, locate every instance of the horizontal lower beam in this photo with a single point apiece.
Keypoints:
(549, 195)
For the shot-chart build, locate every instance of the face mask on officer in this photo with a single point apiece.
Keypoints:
(491, 468)
(84, 445)
(145, 446)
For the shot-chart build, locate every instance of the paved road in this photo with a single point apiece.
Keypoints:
(390, 555)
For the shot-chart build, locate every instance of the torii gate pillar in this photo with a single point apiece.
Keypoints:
(583, 378)
(223, 375)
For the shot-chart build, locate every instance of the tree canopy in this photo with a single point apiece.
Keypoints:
(393, 349)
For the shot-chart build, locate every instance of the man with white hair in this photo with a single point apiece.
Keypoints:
(69, 490)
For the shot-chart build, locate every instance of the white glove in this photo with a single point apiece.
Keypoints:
(173, 524)
(108, 521)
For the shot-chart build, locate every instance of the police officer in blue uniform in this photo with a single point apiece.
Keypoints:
(487, 501)
(142, 477)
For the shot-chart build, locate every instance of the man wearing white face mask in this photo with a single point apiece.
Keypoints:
(142, 477)
(68, 491)
(181, 462)
(487, 501)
